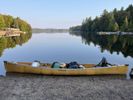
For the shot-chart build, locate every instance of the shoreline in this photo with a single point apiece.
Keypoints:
(40, 87)
(11, 32)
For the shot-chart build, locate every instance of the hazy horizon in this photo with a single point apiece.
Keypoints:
(58, 14)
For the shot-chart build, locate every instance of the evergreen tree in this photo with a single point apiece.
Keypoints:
(125, 25)
(113, 25)
(117, 20)
(116, 27)
(130, 27)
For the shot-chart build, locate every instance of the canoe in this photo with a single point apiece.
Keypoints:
(90, 69)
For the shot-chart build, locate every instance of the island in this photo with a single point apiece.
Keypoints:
(10, 26)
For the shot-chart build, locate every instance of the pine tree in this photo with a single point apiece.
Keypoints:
(116, 27)
(125, 25)
(117, 20)
(113, 25)
(130, 27)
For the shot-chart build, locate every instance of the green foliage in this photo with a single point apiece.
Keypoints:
(7, 21)
(2, 22)
(125, 25)
(130, 27)
(116, 27)
(117, 20)
(76, 28)
(22, 25)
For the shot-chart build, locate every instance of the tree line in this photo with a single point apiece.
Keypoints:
(49, 30)
(7, 21)
(116, 20)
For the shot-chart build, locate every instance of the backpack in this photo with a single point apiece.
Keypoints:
(73, 65)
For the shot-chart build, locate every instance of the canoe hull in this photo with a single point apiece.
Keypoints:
(19, 68)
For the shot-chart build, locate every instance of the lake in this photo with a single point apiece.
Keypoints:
(62, 47)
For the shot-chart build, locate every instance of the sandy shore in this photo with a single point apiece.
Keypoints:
(38, 87)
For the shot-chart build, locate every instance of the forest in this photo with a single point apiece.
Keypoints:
(7, 21)
(116, 20)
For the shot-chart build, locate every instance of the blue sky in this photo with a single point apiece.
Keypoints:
(58, 13)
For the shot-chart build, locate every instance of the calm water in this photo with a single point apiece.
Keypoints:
(61, 47)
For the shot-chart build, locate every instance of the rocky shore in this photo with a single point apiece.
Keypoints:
(115, 33)
(39, 87)
(10, 32)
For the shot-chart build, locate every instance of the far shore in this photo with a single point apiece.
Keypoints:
(49, 30)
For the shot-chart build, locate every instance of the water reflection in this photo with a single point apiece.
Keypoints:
(112, 43)
(61, 47)
(11, 42)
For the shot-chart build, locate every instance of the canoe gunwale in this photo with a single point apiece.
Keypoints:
(18, 64)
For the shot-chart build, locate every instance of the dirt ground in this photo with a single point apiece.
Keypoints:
(39, 87)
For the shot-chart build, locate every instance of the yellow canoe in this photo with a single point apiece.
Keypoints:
(25, 67)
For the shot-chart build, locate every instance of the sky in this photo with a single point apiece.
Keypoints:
(58, 13)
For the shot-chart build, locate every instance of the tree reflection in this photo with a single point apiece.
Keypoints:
(12, 42)
(112, 43)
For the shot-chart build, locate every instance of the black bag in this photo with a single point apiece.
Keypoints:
(73, 65)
